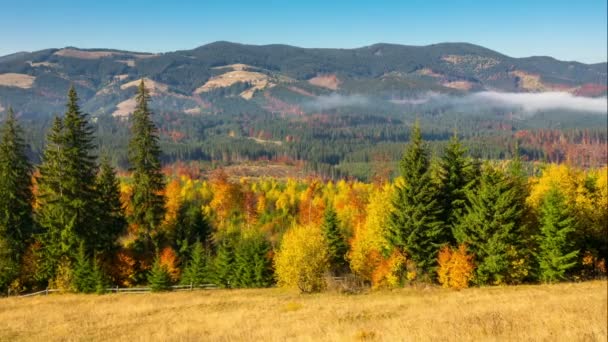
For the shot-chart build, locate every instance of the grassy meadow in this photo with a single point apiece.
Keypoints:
(562, 312)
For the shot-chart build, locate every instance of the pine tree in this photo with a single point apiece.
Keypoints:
(556, 253)
(223, 264)
(414, 224)
(487, 228)
(16, 224)
(148, 201)
(337, 247)
(159, 278)
(83, 280)
(192, 226)
(252, 267)
(111, 222)
(457, 175)
(197, 270)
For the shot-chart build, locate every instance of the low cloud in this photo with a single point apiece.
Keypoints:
(334, 100)
(525, 102)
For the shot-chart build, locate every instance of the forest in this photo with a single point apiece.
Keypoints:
(447, 217)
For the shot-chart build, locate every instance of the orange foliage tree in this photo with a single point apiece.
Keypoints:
(455, 267)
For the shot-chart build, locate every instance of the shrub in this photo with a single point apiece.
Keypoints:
(455, 267)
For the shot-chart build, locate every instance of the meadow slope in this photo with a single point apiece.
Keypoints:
(563, 312)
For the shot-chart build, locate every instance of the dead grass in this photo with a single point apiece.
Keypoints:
(564, 312)
(330, 81)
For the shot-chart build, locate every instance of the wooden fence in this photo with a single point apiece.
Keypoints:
(117, 289)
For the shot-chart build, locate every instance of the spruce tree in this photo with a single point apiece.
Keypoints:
(252, 267)
(197, 269)
(111, 220)
(158, 278)
(556, 254)
(223, 264)
(414, 222)
(457, 174)
(147, 200)
(16, 224)
(489, 224)
(99, 278)
(192, 226)
(336, 245)
(82, 275)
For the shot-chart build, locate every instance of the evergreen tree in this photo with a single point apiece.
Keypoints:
(252, 267)
(556, 253)
(16, 225)
(414, 223)
(99, 278)
(223, 265)
(112, 222)
(192, 226)
(457, 175)
(197, 270)
(83, 280)
(158, 277)
(148, 201)
(337, 247)
(487, 228)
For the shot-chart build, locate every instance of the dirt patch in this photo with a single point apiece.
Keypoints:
(125, 108)
(478, 63)
(236, 67)
(42, 64)
(17, 80)
(329, 81)
(461, 85)
(428, 72)
(257, 80)
(154, 87)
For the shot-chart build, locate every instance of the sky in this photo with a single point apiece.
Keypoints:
(564, 29)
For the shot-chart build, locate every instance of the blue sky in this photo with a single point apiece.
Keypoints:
(567, 30)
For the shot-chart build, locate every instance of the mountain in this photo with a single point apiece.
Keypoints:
(221, 76)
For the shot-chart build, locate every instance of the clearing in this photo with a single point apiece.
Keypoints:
(565, 312)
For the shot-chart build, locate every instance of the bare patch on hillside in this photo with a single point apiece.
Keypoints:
(236, 67)
(301, 91)
(428, 72)
(128, 62)
(460, 85)
(155, 88)
(41, 64)
(329, 81)
(192, 111)
(478, 63)
(125, 108)
(17, 80)
(257, 80)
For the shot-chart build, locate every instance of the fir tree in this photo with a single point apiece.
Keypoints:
(192, 226)
(556, 253)
(83, 280)
(252, 267)
(99, 278)
(457, 175)
(112, 222)
(223, 265)
(147, 200)
(414, 223)
(487, 228)
(196, 272)
(158, 277)
(337, 247)
(16, 224)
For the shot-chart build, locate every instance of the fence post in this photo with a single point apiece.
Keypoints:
(46, 293)
(190, 286)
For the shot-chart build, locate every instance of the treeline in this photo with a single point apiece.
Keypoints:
(449, 218)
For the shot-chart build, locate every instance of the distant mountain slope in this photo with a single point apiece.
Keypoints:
(215, 78)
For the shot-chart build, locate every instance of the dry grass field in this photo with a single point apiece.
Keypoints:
(563, 312)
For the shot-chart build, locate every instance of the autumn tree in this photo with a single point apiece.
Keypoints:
(456, 267)
(556, 253)
(147, 198)
(16, 224)
(302, 260)
(414, 223)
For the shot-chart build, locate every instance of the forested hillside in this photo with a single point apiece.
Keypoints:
(72, 222)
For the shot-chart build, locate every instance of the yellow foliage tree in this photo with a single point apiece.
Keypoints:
(302, 261)
(455, 267)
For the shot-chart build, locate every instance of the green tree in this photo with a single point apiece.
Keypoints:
(16, 224)
(252, 266)
(147, 200)
(457, 175)
(223, 264)
(192, 225)
(492, 217)
(82, 275)
(414, 222)
(111, 221)
(159, 278)
(336, 244)
(556, 253)
(197, 269)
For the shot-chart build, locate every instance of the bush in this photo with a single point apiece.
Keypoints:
(455, 267)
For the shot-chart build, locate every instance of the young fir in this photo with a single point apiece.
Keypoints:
(147, 199)
(16, 224)
(414, 222)
(488, 226)
(112, 222)
(336, 244)
(252, 267)
(223, 264)
(556, 254)
(82, 275)
(158, 278)
(197, 270)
